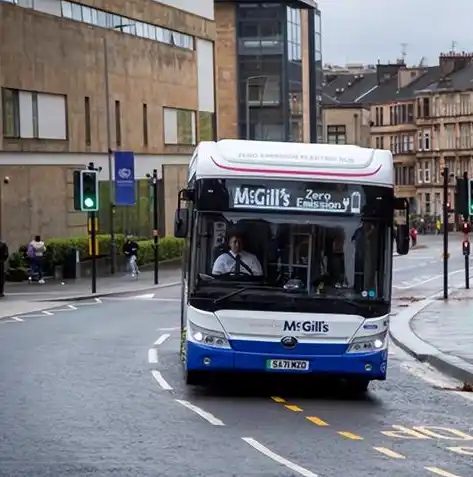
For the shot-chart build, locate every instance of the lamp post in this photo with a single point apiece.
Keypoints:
(113, 245)
(247, 102)
(113, 248)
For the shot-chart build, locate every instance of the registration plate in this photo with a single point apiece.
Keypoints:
(287, 364)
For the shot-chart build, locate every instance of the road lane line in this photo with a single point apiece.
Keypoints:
(278, 399)
(294, 408)
(72, 307)
(277, 458)
(162, 339)
(161, 381)
(16, 318)
(315, 420)
(45, 312)
(168, 329)
(443, 473)
(98, 300)
(204, 414)
(350, 435)
(389, 453)
(432, 278)
(153, 356)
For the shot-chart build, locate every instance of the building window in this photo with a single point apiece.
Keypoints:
(424, 140)
(206, 126)
(145, 125)
(179, 127)
(11, 113)
(294, 40)
(30, 115)
(92, 16)
(465, 136)
(336, 135)
(427, 177)
(118, 124)
(450, 136)
(410, 113)
(87, 121)
(465, 109)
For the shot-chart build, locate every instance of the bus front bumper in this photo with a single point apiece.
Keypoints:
(203, 358)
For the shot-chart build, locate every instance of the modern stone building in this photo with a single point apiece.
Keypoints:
(55, 59)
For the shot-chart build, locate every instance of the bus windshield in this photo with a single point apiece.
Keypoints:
(316, 256)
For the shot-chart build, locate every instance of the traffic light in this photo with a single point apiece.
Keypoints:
(466, 248)
(466, 228)
(89, 191)
(470, 197)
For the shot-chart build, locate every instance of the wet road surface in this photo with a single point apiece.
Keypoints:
(98, 390)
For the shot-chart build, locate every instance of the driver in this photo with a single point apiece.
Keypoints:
(236, 260)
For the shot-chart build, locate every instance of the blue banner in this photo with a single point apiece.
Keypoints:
(125, 191)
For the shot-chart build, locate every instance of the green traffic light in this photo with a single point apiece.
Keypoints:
(89, 203)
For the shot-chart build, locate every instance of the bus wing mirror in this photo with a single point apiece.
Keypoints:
(402, 239)
(181, 223)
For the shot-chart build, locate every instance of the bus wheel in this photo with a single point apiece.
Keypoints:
(193, 378)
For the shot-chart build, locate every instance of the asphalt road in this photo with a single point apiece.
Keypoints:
(95, 388)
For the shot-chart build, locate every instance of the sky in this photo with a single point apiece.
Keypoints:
(363, 31)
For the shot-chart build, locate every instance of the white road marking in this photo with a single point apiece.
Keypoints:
(147, 295)
(204, 414)
(434, 277)
(153, 356)
(16, 318)
(161, 381)
(168, 329)
(98, 300)
(48, 313)
(162, 339)
(72, 307)
(277, 458)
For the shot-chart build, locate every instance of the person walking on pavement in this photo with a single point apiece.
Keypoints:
(130, 250)
(3, 261)
(35, 252)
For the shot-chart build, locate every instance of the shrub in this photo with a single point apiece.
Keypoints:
(168, 248)
(58, 250)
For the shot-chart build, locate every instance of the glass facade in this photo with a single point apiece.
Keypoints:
(270, 55)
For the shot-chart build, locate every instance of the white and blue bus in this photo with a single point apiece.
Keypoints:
(316, 222)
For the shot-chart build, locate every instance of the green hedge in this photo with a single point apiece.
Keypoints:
(57, 250)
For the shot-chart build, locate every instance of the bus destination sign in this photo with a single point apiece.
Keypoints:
(302, 199)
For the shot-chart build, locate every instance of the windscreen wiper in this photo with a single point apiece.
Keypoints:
(240, 290)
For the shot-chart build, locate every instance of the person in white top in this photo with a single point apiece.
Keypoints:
(236, 260)
(36, 250)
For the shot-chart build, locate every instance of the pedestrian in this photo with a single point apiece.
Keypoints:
(413, 235)
(36, 250)
(3, 261)
(130, 250)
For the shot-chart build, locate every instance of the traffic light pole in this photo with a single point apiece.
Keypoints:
(445, 174)
(93, 238)
(155, 226)
(466, 249)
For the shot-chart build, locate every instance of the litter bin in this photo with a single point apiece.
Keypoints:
(71, 265)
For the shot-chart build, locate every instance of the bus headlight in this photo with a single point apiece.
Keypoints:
(216, 339)
(368, 344)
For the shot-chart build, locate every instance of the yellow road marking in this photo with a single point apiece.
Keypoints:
(277, 399)
(291, 407)
(441, 472)
(317, 421)
(389, 453)
(350, 435)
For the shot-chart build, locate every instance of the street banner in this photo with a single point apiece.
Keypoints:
(125, 190)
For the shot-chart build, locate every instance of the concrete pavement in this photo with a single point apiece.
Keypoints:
(81, 288)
